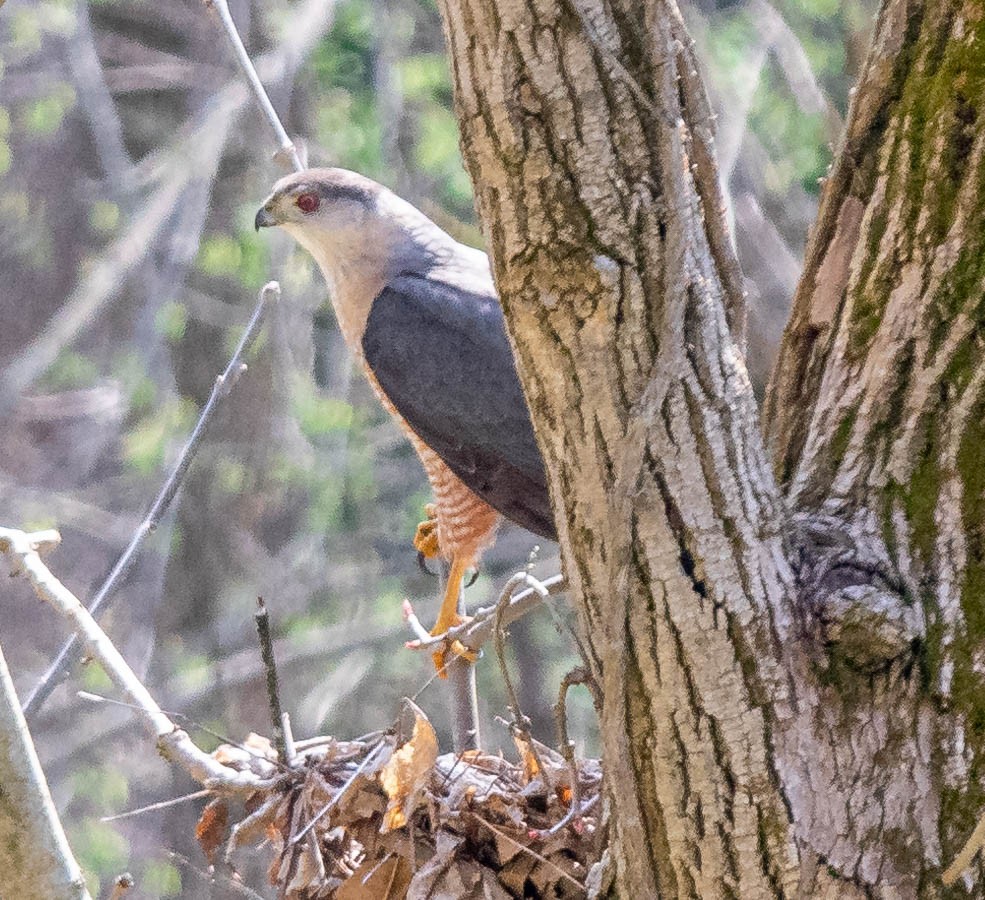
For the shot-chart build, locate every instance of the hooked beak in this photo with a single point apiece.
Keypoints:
(264, 219)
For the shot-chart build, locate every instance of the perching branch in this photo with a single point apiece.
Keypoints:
(35, 858)
(172, 742)
(223, 385)
(482, 624)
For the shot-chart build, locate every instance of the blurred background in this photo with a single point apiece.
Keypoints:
(131, 166)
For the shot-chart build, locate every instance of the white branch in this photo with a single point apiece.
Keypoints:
(35, 858)
(172, 742)
(286, 148)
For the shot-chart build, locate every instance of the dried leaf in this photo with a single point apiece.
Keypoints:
(255, 754)
(375, 880)
(210, 831)
(309, 871)
(491, 888)
(427, 876)
(406, 774)
(260, 746)
(531, 769)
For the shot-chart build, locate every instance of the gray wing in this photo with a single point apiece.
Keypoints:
(441, 355)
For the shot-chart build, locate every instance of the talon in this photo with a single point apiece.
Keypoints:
(426, 536)
(473, 578)
(459, 649)
(422, 564)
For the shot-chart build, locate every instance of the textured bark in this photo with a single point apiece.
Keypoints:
(777, 718)
(877, 404)
(586, 135)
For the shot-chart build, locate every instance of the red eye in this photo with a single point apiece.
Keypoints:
(308, 202)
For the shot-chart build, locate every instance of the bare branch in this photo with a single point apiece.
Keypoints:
(35, 857)
(579, 675)
(286, 151)
(223, 385)
(482, 625)
(520, 725)
(154, 807)
(172, 742)
(262, 619)
(96, 102)
(465, 700)
(193, 153)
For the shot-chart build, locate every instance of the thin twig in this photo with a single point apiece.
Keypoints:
(289, 749)
(525, 849)
(223, 385)
(577, 675)
(286, 151)
(520, 725)
(262, 620)
(188, 721)
(410, 617)
(214, 877)
(154, 807)
(173, 743)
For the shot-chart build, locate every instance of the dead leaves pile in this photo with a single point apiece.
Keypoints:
(381, 820)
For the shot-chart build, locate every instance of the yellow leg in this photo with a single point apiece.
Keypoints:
(448, 614)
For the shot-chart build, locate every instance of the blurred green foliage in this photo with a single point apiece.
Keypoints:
(351, 119)
(160, 879)
(145, 445)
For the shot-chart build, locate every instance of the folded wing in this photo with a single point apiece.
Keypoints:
(441, 355)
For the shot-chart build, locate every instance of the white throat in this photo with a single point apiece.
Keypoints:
(350, 263)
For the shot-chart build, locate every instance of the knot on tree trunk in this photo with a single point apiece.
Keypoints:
(853, 602)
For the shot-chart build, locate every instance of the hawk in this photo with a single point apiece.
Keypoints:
(419, 311)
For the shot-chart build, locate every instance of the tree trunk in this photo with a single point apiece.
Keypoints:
(876, 410)
(777, 718)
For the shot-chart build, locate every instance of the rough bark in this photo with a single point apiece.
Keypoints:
(777, 719)
(877, 405)
(586, 135)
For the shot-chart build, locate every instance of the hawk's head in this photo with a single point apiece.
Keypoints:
(326, 200)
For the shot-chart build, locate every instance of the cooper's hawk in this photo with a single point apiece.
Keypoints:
(420, 312)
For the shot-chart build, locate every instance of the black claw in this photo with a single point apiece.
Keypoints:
(422, 564)
(474, 578)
